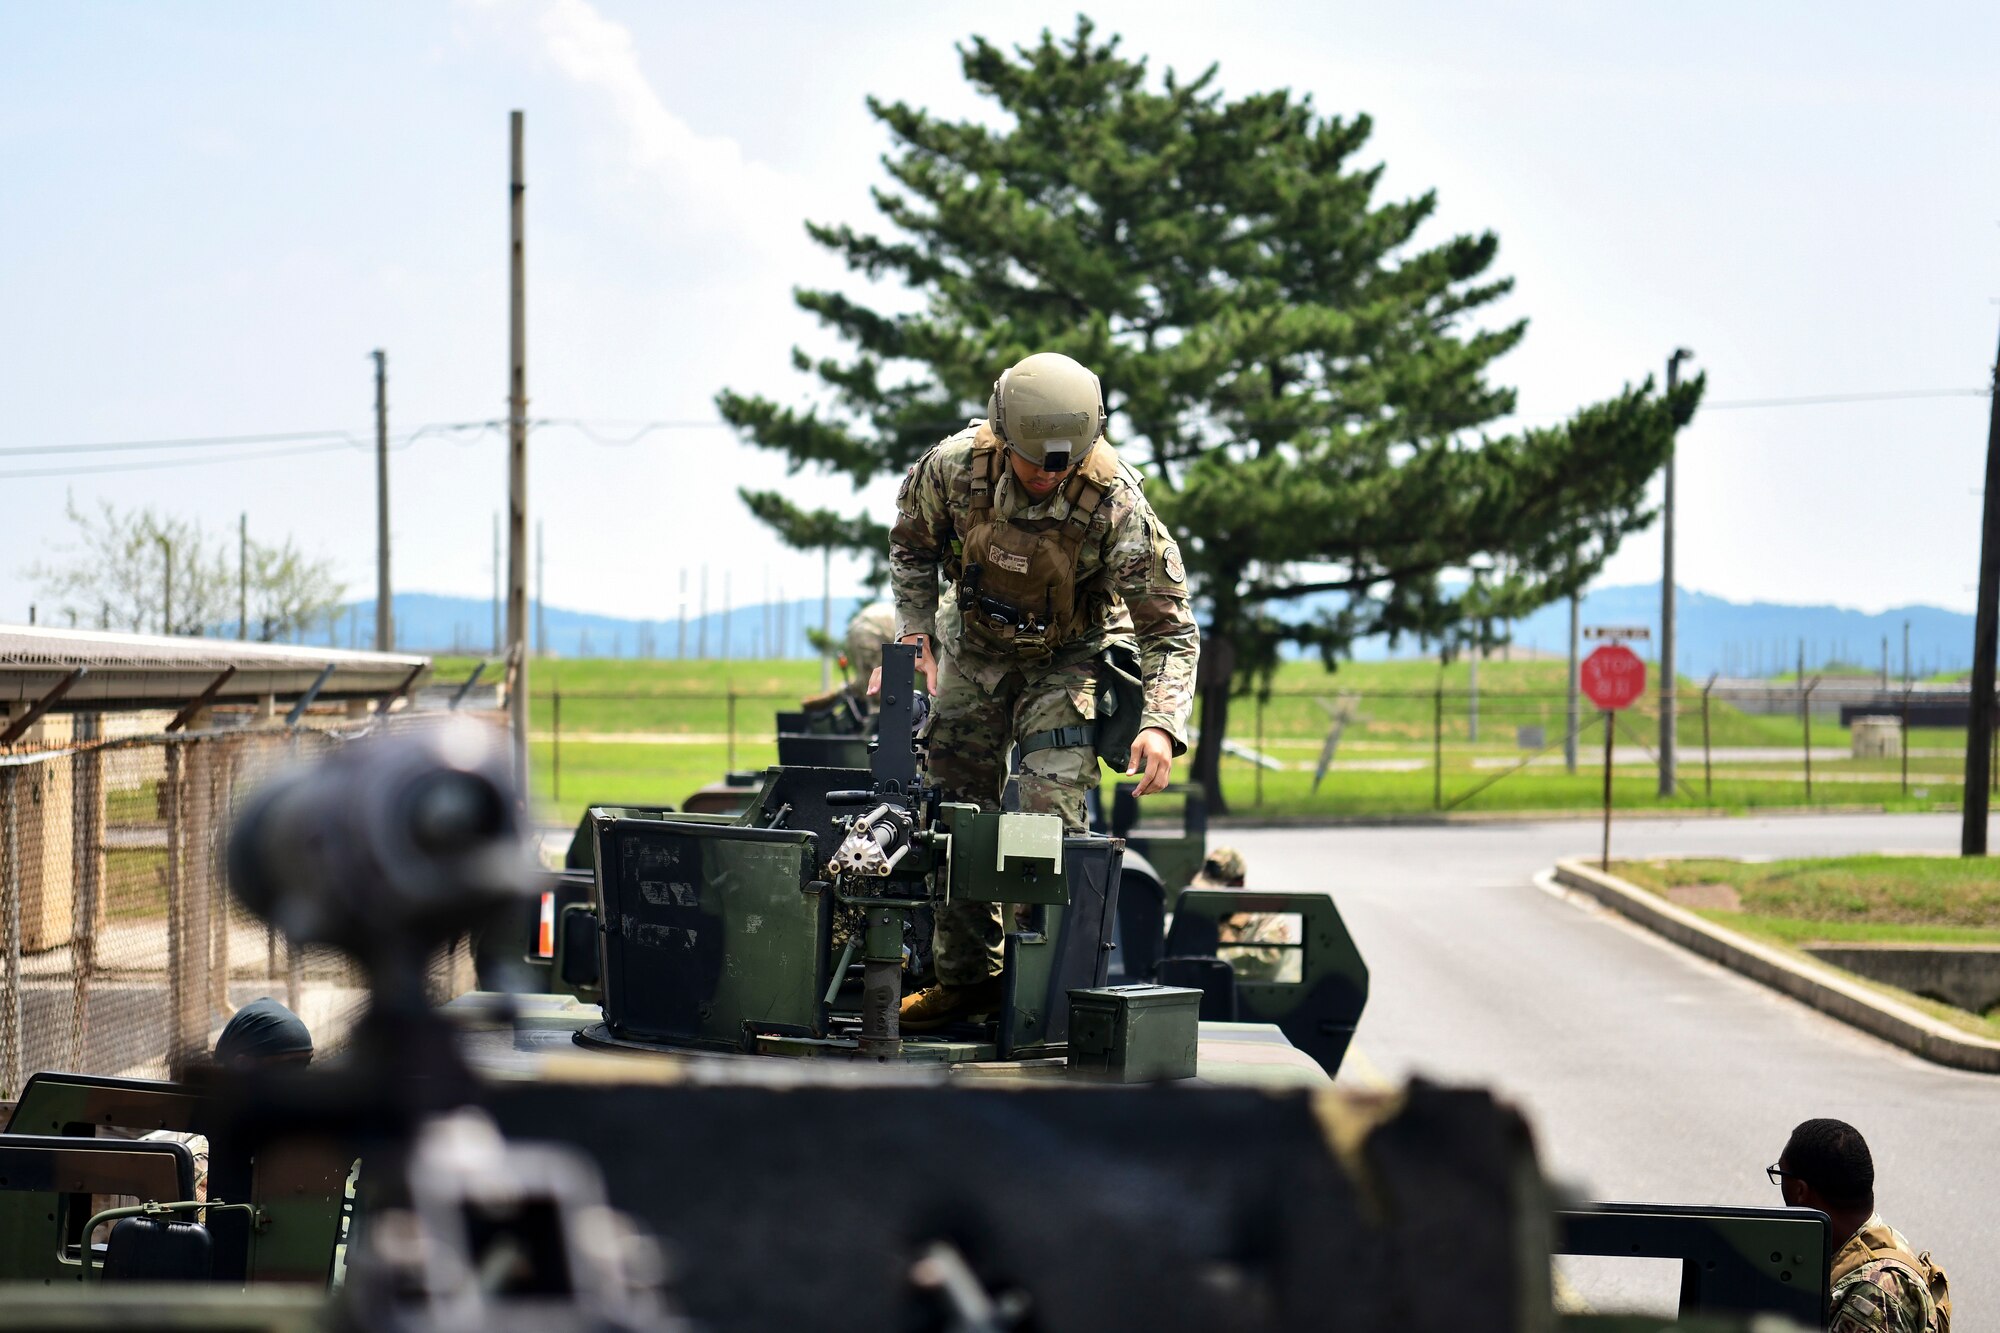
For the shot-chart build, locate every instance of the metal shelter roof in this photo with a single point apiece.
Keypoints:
(161, 671)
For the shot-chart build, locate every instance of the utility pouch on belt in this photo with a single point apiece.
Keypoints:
(1121, 703)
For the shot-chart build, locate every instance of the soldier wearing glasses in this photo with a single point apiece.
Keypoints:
(1880, 1284)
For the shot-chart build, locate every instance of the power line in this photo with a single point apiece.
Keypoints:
(623, 434)
(153, 465)
(346, 438)
(1818, 400)
(636, 430)
(189, 442)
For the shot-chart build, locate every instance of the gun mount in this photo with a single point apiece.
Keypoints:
(793, 928)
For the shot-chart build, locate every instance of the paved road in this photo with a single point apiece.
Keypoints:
(1648, 1073)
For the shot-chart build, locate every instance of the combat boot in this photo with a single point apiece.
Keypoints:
(934, 1006)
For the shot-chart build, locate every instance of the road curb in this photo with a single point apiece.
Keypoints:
(1822, 988)
(1433, 819)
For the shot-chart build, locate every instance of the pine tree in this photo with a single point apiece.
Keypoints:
(1303, 379)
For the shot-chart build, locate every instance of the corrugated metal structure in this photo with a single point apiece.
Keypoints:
(122, 760)
(108, 672)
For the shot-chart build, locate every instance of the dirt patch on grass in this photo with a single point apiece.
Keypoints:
(1705, 897)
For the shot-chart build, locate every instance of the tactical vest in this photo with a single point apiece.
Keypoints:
(1878, 1246)
(1016, 577)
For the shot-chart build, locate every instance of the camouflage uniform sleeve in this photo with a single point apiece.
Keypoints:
(1147, 573)
(1879, 1299)
(918, 543)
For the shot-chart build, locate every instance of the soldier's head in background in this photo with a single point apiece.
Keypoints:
(264, 1034)
(871, 627)
(1826, 1165)
(1223, 869)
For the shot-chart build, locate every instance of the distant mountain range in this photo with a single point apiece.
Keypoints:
(1716, 635)
(435, 623)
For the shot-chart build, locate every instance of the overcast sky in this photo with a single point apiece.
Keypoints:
(211, 213)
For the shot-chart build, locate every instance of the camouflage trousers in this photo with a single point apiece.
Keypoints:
(972, 733)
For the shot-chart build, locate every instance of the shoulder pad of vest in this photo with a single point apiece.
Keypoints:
(1103, 466)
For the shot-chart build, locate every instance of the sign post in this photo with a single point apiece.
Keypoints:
(1613, 677)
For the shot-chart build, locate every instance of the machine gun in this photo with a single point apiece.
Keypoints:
(908, 848)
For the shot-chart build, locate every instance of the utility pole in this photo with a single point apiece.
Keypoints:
(1667, 659)
(496, 583)
(517, 462)
(167, 585)
(541, 594)
(1985, 639)
(1575, 717)
(385, 628)
(1906, 654)
(725, 615)
(826, 615)
(243, 576)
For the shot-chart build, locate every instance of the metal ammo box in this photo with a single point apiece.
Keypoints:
(1134, 1034)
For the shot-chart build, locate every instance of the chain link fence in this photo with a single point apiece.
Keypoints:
(124, 952)
(1736, 742)
(1333, 751)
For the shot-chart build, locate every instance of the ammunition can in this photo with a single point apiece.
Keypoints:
(1134, 1034)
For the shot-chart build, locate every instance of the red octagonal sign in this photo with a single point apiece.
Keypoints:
(1613, 676)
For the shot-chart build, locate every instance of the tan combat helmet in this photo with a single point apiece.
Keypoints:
(872, 626)
(1049, 409)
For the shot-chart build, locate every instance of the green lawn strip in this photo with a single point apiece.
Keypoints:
(619, 773)
(1895, 890)
(1288, 793)
(133, 805)
(1856, 899)
(135, 883)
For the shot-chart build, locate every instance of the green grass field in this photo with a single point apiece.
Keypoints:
(1911, 897)
(657, 730)
(1850, 899)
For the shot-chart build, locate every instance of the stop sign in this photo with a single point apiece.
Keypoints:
(1614, 677)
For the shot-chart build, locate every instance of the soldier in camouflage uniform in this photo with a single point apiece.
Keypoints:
(1050, 554)
(1880, 1284)
(871, 627)
(1250, 942)
(849, 709)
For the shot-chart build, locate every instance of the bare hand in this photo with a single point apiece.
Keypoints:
(926, 663)
(1153, 755)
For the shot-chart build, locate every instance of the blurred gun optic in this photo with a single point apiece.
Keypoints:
(384, 844)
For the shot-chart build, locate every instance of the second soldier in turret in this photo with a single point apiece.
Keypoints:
(1023, 552)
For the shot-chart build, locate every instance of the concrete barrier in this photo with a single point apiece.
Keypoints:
(1964, 976)
(1821, 987)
